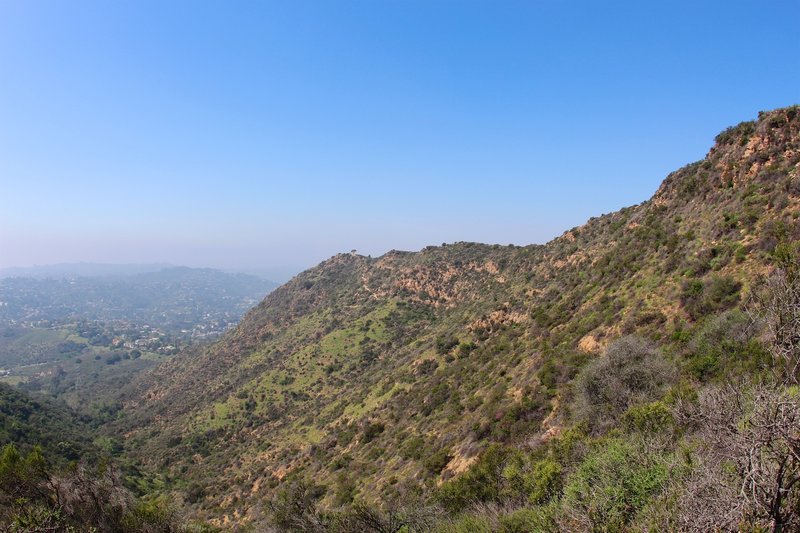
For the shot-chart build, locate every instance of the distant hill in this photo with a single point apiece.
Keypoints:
(173, 299)
(80, 338)
(87, 270)
(383, 379)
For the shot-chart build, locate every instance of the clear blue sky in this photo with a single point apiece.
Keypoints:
(273, 134)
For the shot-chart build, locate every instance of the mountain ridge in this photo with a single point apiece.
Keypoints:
(404, 368)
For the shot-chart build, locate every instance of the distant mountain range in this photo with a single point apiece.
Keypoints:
(172, 299)
(88, 270)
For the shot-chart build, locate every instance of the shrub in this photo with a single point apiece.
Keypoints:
(464, 349)
(649, 418)
(722, 346)
(445, 344)
(294, 507)
(747, 474)
(481, 483)
(34, 497)
(436, 461)
(467, 524)
(612, 485)
(545, 481)
(413, 448)
(540, 519)
(371, 431)
(777, 306)
(700, 298)
(631, 371)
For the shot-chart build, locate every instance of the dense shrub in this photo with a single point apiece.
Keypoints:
(540, 519)
(372, 430)
(436, 461)
(481, 483)
(445, 344)
(614, 482)
(631, 371)
(649, 418)
(543, 482)
(468, 523)
(701, 298)
(294, 507)
(724, 345)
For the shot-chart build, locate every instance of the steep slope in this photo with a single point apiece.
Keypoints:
(380, 377)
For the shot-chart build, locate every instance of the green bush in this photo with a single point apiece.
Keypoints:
(371, 431)
(445, 344)
(34, 497)
(153, 515)
(700, 298)
(613, 483)
(649, 418)
(435, 462)
(722, 346)
(466, 524)
(540, 519)
(482, 483)
(545, 481)
(413, 448)
(534, 481)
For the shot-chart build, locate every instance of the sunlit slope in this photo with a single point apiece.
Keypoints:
(381, 376)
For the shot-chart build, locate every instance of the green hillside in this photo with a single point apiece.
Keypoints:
(475, 387)
(28, 421)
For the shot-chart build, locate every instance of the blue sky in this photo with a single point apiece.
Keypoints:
(271, 135)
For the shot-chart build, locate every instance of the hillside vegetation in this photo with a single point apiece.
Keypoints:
(54, 477)
(584, 384)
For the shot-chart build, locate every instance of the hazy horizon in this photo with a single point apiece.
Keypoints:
(93, 269)
(271, 136)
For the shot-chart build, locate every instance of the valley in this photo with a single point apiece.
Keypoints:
(80, 338)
